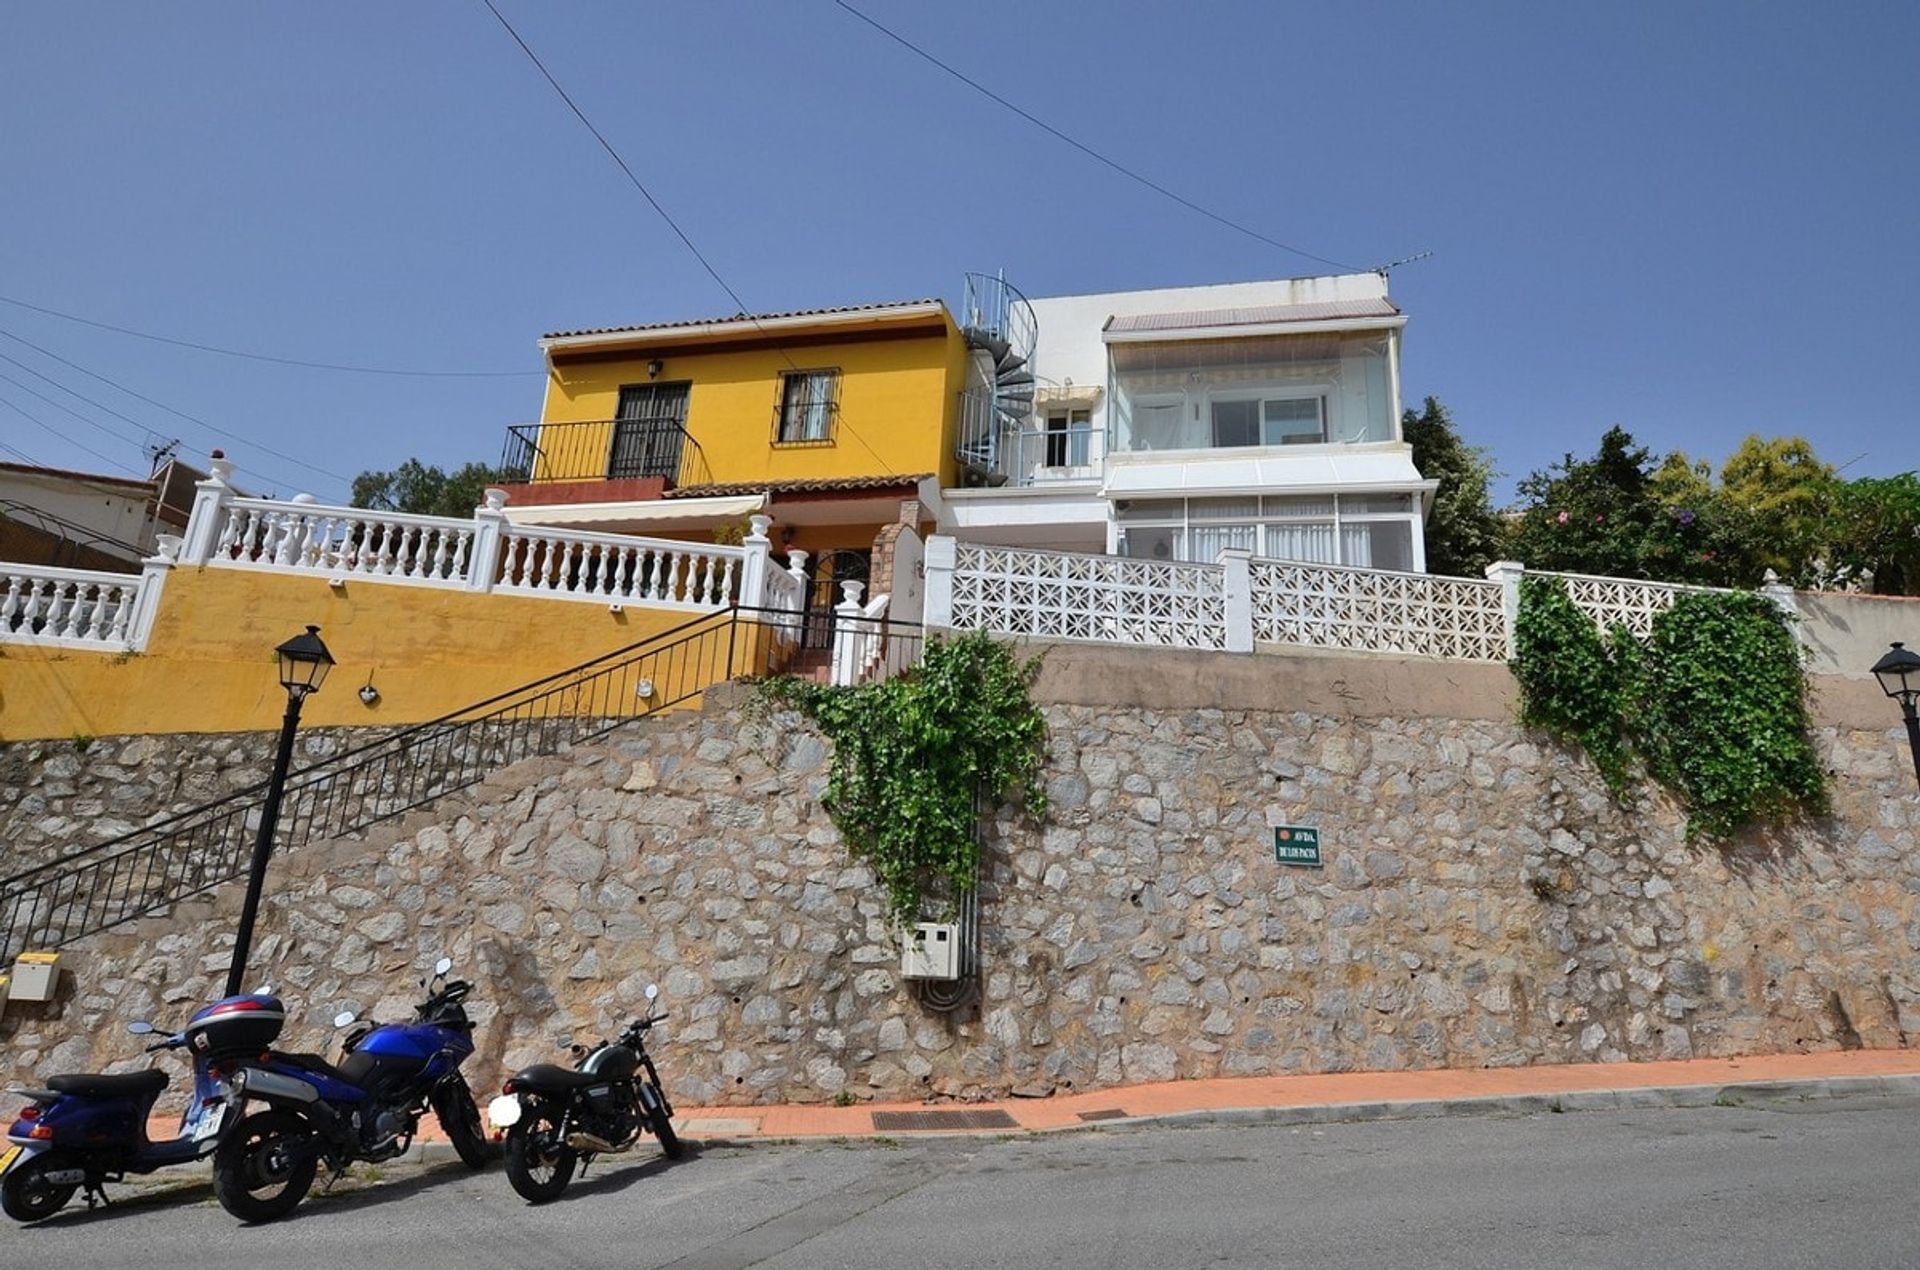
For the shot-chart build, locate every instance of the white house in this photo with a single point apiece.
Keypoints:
(1172, 424)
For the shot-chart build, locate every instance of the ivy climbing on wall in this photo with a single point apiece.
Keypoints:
(1713, 705)
(911, 753)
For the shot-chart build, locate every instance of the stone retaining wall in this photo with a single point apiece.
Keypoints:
(1483, 902)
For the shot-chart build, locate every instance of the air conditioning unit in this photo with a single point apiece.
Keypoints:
(931, 950)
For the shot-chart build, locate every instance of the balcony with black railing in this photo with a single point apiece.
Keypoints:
(659, 448)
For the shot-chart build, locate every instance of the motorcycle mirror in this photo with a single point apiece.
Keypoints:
(653, 990)
(140, 1027)
(443, 965)
(344, 1018)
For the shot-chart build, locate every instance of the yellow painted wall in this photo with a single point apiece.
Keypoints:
(899, 406)
(209, 665)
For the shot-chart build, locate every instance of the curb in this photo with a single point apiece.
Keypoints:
(1752, 1094)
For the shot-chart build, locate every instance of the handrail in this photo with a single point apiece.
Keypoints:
(592, 450)
(191, 851)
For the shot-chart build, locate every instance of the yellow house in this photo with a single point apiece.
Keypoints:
(835, 422)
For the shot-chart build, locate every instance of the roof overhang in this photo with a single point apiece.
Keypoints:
(928, 313)
(647, 514)
(1388, 469)
(1175, 334)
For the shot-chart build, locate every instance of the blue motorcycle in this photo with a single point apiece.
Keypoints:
(88, 1130)
(367, 1107)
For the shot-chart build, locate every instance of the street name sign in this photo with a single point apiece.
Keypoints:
(1297, 845)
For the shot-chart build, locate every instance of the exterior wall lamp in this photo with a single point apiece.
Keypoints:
(1899, 674)
(654, 368)
(304, 662)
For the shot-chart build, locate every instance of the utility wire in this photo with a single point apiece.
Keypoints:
(44, 426)
(22, 455)
(57, 405)
(266, 357)
(681, 234)
(1088, 150)
(115, 384)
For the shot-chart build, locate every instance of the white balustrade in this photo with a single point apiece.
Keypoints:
(1063, 595)
(1372, 610)
(306, 537)
(67, 607)
(615, 568)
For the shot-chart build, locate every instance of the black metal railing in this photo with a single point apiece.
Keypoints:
(604, 449)
(142, 872)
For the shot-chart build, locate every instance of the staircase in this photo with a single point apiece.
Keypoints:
(999, 326)
(141, 873)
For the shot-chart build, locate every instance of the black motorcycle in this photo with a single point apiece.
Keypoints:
(559, 1119)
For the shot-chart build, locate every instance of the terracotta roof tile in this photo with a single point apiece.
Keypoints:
(738, 317)
(805, 485)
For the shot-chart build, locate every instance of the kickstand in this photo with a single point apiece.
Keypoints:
(97, 1195)
(334, 1175)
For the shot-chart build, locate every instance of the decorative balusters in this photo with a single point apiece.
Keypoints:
(66, 606)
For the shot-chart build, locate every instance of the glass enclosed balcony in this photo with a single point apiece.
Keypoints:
(1249, 392)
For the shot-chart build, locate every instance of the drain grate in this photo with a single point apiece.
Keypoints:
(1107, 1113)
(909, 1121)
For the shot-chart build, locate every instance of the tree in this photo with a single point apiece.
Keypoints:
(1871, 533)
(1783, 487)
(1463, 531)
(1618, 515)
(425, 490)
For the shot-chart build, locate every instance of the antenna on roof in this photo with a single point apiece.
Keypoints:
(1390, 266)
(159, 452)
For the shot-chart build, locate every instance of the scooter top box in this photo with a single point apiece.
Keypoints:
(232, 1025)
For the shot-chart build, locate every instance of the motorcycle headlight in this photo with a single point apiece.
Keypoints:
(504, 1111)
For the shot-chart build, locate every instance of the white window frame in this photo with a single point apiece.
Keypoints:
(1183, 523)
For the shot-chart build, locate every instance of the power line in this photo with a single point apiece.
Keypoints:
(44, 426)
(115, 433)
(22, 455)
(1088, 150)
(653, 202)
(266, 357)
(115, 384)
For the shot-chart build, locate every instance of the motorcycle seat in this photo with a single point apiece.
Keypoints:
(89, 1085)
(317, 1064)
(551, 1076)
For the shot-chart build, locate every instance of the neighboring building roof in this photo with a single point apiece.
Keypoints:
(743, 319)
(804, 485)
(1261, 315)
(65, 474)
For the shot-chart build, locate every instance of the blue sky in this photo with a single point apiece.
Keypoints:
(1690, 219)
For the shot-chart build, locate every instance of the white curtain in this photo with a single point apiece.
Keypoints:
(1356, 545)
(1308, 542)
(1206, 542)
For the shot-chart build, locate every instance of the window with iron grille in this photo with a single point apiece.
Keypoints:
(808, 406)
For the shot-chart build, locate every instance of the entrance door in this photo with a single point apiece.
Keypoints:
(832, 568)
(648, 431)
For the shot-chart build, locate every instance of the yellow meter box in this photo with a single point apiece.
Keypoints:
(35, 976)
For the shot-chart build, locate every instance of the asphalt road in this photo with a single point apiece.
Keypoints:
(1814, 1184)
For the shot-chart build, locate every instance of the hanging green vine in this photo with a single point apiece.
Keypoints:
(910, 753)
(1713, 704)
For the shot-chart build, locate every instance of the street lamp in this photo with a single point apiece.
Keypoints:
(1899, 673)
(304, 663)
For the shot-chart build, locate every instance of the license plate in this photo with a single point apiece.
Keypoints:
(7, 1158)
(210, 1122)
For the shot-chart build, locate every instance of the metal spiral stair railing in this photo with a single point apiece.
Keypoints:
(999, 320)
(190, 852)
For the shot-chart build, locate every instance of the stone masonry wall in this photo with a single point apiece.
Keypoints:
(1483, 902)
(58, 797)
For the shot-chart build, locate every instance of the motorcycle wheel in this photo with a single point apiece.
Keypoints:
(459, 1115)
(257, 1174)
(27, 1196)
(539, 1165)
(657, 1120)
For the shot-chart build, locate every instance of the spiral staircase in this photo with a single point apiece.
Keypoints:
(999, 327)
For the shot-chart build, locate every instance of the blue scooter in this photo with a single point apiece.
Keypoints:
(88, 1130)
(365, 1108)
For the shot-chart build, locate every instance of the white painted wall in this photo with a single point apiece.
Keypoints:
(108, 508)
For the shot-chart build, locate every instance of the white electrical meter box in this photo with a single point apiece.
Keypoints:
(35, 976)
(931, 950)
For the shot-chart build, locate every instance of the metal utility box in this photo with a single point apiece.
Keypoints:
(36, 976)
(931, 950)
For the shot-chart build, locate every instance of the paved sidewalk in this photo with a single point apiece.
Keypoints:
(1347, 1096)
(1339, 1096)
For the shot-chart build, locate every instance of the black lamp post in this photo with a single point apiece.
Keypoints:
(1899, 673)
(304, 663)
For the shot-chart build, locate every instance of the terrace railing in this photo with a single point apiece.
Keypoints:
(604, 449)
